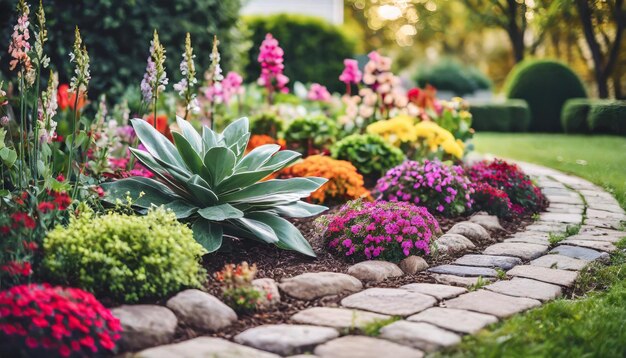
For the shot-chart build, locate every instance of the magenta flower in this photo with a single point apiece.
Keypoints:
(351, 73)
(318, 93)
(271, 60)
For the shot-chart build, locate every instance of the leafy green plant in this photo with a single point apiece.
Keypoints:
(127, 258)
(208, 181)
(369, 153)
(266, 123)
(480, 283)
(238, 292)
(451, 75)
(310, 135)
(500, 274)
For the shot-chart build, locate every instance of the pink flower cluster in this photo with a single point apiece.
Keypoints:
(381, 230)
(19, 46)
(317, 92)
(440, 187)
(57, 322)
(271, 60)
(351, 73)
(225, 91)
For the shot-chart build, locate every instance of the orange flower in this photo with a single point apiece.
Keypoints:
(66, 99)
(344, 182)
(257, 140)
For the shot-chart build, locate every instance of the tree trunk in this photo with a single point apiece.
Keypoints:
(516, 34)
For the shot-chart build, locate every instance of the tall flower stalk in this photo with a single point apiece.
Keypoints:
(78, 83)
(40, 61)
(155, 78)
(20, 60)
(186, 86)
(214, 77)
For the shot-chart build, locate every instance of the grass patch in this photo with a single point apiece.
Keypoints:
(599, 159)
(480, 283)
(570, 230)
(373, 328)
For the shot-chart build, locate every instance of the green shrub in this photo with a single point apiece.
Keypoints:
(266, 123)
(314, 49)
(508, 116)
(608, 117)
(371, 154)
(451, 75)
(545, 85)
(310, 135)
(117, 34)
(125, 258)
(574, 115)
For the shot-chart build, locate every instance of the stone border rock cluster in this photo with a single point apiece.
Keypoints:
(430, 316)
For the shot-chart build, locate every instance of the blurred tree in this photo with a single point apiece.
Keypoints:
(603, 23)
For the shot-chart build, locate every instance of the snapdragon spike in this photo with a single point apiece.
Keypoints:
(155, 78)
(19, 45)
(272, 66)
(80, 57)
(186, 85)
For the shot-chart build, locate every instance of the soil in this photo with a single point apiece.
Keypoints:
(277, 264)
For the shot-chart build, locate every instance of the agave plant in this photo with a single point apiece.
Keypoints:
(209, 181)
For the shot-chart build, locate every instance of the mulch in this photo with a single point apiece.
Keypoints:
(277, 264)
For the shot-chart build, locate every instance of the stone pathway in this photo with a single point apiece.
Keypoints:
(516, 273)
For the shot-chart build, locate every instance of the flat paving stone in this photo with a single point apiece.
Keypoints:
(440, 292)
(556, 276)
(495, 304)
(604, 223)
(503, 262)
(464, 271)
(459, 281)
(204, 347)
(339, 318)
(420, 335)
(312, 285)
(523, 287)
(600, 214)
(580, 253)
(565, 209)
(522, 250)
(561, 218)
(546, 227)
(530, 240)
(564, 199)
(389, 301)
(286, 339)
(559, 262)
(364, 347)
(374, 270)
(461, 321)
(591, 244)
(585, 237)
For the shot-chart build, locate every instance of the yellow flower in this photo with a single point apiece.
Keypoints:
(436, 137)
(396, 130)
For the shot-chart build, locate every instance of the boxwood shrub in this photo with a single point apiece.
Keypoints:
(574, 115)
(608, 117)
(369, 153)
(123, 257)
(545, 85)
(451, 75)
(509, 116)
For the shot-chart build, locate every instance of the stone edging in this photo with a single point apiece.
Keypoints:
(434, 316)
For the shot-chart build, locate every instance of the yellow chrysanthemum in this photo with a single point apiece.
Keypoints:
(396, 130)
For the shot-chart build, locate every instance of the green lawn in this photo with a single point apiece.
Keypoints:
(594, 325)
(600, 159)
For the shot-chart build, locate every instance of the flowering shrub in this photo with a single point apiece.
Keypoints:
(237, 289)
(266, 123)
(434, 141)
(369, 153)
(344, 182)
(493, 201)
(24, 220)
(317, 92)
(442, 188)
(257, 140)
(310, 135)
(126, 258)
(382, 230)
(39, 320)
(523, 194)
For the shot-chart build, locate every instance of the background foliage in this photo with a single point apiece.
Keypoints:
(117, 34)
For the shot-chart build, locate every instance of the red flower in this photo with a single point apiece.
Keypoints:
(99, 191)
(60, 178)
(15, 268)
(62, 200)
(45, 206)
(161, 125)
(5, 230)
(31, 246)
(65, 99)
(24, 219)
(31, 342)
(414, 94)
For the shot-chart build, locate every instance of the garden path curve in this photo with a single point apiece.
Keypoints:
(435, 316)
